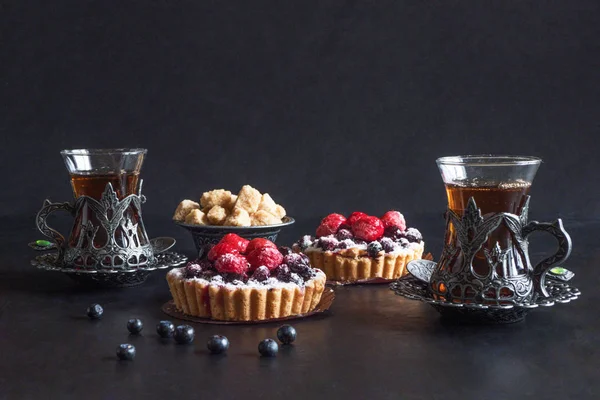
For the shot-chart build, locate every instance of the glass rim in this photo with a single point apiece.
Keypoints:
(92, 152)
(488, 160)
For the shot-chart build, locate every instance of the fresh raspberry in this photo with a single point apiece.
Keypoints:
(368, 228)
(355, 216)
(330, 224)
(220, 249)
(239, 242)
(232, 264)
(394, 218)
(259, 243)
(268, 256)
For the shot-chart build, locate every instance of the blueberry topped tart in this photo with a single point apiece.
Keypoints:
(362, 247)
(241, 280)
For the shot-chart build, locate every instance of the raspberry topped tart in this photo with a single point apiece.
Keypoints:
(362, 247)
(241, 280)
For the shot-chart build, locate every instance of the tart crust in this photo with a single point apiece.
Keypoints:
(354, 264)
(201, 298)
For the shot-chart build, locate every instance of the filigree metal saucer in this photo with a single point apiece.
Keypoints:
(110, 277)
(416, 287)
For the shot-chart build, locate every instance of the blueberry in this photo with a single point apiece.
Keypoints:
(404, 242)
(296, 262)
(95, 311)
(328, 243)
(285, 250)
(193, 270)
(344, 234)
(305, 242)
(135, 326)
(374, 248)
(413, 235)
(282, 273)
(165, 329)
(308, 274)
(184, 334)
(394, 233)
(126, 352)
(261, 274)
(286, 334)
(217, 344)
(295, 278)
(387, 244)
(268, 348)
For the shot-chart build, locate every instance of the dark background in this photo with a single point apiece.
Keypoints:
(329, 106)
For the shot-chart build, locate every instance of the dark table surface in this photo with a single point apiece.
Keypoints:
(372, 344)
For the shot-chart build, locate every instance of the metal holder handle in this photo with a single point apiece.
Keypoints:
(557, 230)
(40, 220)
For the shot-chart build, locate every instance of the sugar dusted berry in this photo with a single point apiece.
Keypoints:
(193, 269)
(221, 249)
(305, 242)
(413, 235)
(259, 243)
(282, 273)
(368, 228)
(330, 224)
(374, 248)
(355, 216)
(346, 244)
(328, 243)
(344, 234)
(387, 244)
(394, 218)
(261, 274)
(232, 263)
(296, 278)
(394, 233)
(237, 241)
(268, 256)
(295, 261)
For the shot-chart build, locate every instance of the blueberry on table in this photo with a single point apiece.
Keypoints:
(184, 334)
(126, 352)
(217, 344)
(286, 334)
(95, 311)
(135, 326)
(165, 329)
(268, 348)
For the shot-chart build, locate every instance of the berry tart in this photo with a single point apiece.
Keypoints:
(243, 280)
(362, 247)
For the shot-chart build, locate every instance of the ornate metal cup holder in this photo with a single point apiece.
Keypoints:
(416, 287)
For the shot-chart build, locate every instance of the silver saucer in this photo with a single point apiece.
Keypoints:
(415, 286)
(110, 277)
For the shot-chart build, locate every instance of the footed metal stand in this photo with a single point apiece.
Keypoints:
(108, 245)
